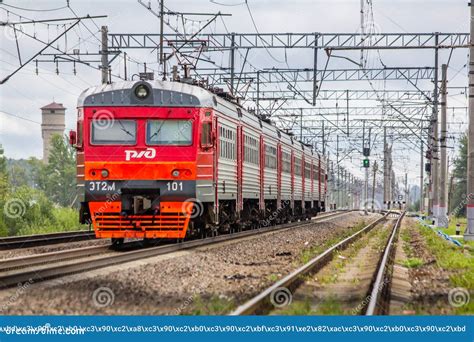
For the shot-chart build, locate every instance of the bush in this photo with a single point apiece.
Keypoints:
(28, 211)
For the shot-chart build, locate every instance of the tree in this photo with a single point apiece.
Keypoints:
(61, 172)
(38, 170)
(4, 187)
(459, 199)
(3, 175)
(18, 176)
(58, 177)
(26, 210)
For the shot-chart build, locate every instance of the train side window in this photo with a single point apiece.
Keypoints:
(297, 167)
(206, 134)
(307, 170)
(286, 164)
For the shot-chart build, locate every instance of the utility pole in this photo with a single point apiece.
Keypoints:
(333, 179)
(406, 190)
(347, 108)
(450, 188)
(375, 169)
(344, 184)
(301, 124)
(162, 60)
(435, 139)
(346, 192)
(385, 169)
(329, 195)
(324, 140)
(362, 26)
(232, 65)
(337, 165)
(257, 102)
(469, 233)
(327, 199)
(125, 65)
(365, 155)
(422, 197)
(350, 194)
(442, 213)
(315, 69)
(104, 68)
(354, 192)
(338, 185)
(391, 177)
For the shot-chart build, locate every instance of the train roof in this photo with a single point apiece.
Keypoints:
(175, 94)
(164, 93)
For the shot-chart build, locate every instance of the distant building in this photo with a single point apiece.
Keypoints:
(53, 122)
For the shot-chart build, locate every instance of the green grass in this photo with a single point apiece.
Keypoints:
(412, 262)
(448, 256)
(273, 277)
(296, 308)
(62, 220)
(214, 305)
(312, 252)
(459, 261)
(329, 306)
(338, 264)
(451, 230)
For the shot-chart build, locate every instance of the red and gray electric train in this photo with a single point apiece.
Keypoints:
(158, 159)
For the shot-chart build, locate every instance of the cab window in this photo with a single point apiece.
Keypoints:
(169, 132)
(113, 132)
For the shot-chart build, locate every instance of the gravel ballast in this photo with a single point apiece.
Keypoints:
(207, 280)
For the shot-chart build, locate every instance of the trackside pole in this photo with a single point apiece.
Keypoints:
(435, 139)
(469, 233)
(443, 167)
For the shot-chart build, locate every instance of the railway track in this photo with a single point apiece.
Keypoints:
(379, 288)
(44, 239)
(37, 268)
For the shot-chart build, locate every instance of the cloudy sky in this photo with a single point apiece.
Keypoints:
(23, 94)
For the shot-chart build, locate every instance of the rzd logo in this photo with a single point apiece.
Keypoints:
(149, 153)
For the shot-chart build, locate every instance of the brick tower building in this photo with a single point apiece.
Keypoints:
(53, 122)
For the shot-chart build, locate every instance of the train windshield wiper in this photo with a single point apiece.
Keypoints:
(154, 134)
(124, 129)
(157, 131)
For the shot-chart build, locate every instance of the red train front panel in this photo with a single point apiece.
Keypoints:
(138, 166)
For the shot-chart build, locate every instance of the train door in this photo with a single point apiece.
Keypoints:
(240, 174)
(279, 174)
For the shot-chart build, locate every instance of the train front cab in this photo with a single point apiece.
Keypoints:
(138, 165)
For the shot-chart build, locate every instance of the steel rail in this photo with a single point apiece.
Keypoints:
(44, 239)
(13, 277)
(44, 258)
(380, 286)
(261, 301)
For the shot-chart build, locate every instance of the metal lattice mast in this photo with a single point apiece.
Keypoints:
(469, 233)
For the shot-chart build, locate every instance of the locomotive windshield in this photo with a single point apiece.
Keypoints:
(169, 132)
(109, 132)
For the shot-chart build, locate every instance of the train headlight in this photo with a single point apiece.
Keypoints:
(104, 173)
(142, 91)
(175, 173)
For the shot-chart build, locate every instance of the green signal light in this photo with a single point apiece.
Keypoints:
(366, 163)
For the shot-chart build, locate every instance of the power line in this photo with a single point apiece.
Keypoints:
(19, 117)
(35, 10)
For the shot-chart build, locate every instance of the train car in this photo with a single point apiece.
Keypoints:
(158, 159)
